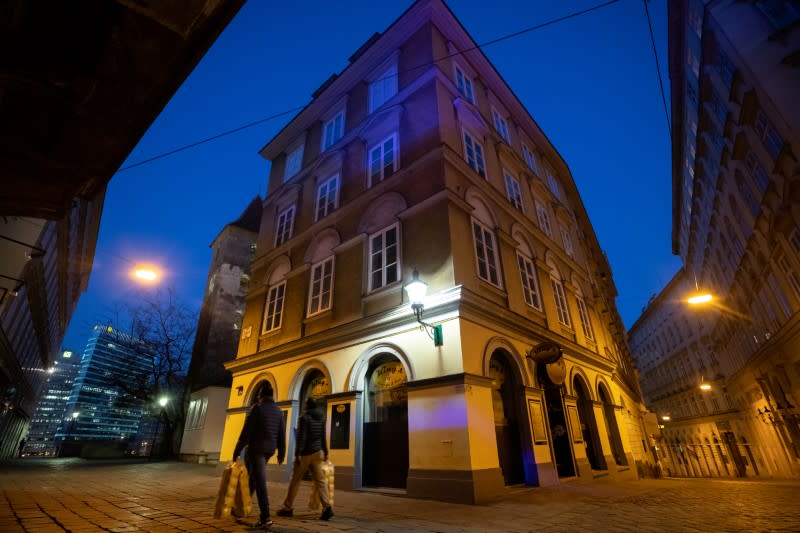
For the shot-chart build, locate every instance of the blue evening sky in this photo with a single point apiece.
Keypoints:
(590, 82)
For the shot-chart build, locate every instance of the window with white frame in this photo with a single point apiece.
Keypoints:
(321, 290)
(383, 88)
(552, 182)
(294, 162)
(327, 196)
(273, 308)
(284, 226)
(384, 258)
(544, 219)
(530, 158)
(473, 153)
(333, 130)
(486, 253)
(464, 85)
(513, 190)
(500, 125)
(560, 299)
(586, 321)
(383, 160)
(566, 238)
(530, 285)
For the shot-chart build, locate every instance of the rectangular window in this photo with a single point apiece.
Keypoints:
(321, 291)
(273, 309)
(544, 220)
(567, 240)
(500, 125)
(464, 85)
(791, 276)
(586, 322)
(561, 302)
(768, 134)
(284, 226)
(530, 286)
(327, 197)
(333, 130)
(473, 152)
(382, 160)
(530, 158)
(384, 258)
(794, 238)
(294, 162)
(757, 171)
(513, 190)
(552, 183)
(486, 253)
(383, 88)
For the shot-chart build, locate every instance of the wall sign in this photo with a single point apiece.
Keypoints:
(537, 421)
(574, 423)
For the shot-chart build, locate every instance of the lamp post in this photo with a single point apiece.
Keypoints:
(162, 401)
(416, 291)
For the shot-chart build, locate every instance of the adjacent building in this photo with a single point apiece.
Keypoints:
(736, 226)
(217, 337)
(418, 160)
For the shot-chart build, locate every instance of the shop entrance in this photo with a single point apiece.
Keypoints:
(505, 395)
(594, 450)
(612, 427)
(385, 456)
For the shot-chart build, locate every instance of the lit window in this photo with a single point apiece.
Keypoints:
(500, 125)
(321, 291)
(273, 309)
(327, 197)
(383, 88)
(473, 152)
(544, 219)
(586, 322)
(486, 253)
(530, 285)
(464, 85)
(383, 160)
(284, 226)
(294, 162)
(384, 258)
(567, 240)
(513, 191)
(333, 130)
(530, 158)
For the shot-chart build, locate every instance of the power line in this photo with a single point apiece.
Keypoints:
(658, 69)
(427, 64)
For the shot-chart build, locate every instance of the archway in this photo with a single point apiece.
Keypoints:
(506, 391)
(611, 426)
(591, 437)
(551, 379)
(385, 437)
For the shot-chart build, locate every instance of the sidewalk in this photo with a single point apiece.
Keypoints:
(43, 495)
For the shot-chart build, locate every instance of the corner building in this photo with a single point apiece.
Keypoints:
(419, 156)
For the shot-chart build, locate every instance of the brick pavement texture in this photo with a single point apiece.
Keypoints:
(43, 495)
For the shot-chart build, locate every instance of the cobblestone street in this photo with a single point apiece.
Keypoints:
(41, 495)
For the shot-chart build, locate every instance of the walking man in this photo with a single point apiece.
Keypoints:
(311, 451)
(264, 430)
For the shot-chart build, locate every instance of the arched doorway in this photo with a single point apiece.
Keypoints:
(556, 415)
(591, 438)
(611, 426)
(505, 402)
(315, 385)
(385, 456)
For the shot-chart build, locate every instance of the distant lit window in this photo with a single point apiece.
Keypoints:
(284, 226)
(327, 197)
(273, 308)
(530, 284)
(333, 130)
(384, 258)
(321, 291)
(464, 85)
(294, 162)
(486, 253)
(513, 191)
(383, 88)
(473, 152)
(530, 158)
(383, 160)
(500, 125)
(544, 220)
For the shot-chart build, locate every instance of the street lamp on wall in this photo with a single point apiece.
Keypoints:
(416, 291)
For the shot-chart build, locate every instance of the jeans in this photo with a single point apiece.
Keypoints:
(258, 479)
(314, 461)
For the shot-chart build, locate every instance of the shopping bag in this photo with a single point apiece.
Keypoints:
(314, 501)
(227, 490)
(242, 502)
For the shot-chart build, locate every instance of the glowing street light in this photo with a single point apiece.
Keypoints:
(163, 401)
(146, 274)
(700, 298)
(704, 385)
(666, 418)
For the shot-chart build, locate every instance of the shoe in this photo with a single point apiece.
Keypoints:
(285, 512)
(264, 524)
(327, 513)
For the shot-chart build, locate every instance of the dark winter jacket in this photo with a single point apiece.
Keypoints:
(311, 433)
(264, 430)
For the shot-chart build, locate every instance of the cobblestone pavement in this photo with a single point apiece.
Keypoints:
(43, 495)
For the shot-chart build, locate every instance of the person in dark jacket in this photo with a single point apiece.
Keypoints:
(264, 431)
(311, 451)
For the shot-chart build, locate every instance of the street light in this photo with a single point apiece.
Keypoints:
(145, 273)
(704, 385)
(416, 291)
(699, 298)
(162, 401)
